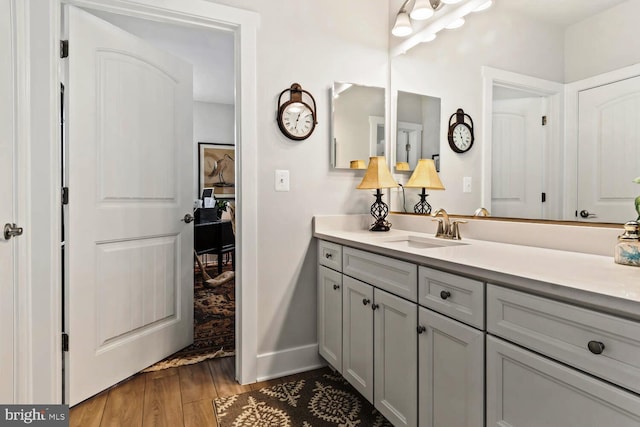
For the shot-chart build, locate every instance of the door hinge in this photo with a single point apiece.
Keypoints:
(65, 341)
(544, 197)
(65, 195)
(544, 120)
(576, 213)
(64, 48)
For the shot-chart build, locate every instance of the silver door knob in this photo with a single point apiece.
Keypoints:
(187, 218)
(12, 230)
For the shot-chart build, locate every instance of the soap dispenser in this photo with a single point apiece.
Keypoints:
(628, 248)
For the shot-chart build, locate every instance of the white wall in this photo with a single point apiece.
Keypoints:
(604, 42)
(212, 122)
(314, 44)
(449, 68)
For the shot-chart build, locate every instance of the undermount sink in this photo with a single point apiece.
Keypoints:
(419, 242)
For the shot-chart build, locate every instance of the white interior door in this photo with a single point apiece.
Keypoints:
(7, 214)
(609, 151)
(129, 290)
(517, 158)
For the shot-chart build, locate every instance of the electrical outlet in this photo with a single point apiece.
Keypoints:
(282, 180)
(466, 184)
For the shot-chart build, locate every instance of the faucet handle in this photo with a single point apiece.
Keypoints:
(455, 229)
(440, 230)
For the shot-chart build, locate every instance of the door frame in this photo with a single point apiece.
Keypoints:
(42, 316)
(552, 91)
(572, 92)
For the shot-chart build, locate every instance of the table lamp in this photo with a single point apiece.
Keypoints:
(376, 177)
(424, 176)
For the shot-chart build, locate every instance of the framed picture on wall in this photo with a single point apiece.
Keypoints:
(216, 169)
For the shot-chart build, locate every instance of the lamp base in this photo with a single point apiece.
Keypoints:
(422, 207)
(379, 211)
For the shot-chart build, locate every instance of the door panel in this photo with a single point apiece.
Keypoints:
(129, 169)
(396, 359)
(330, 316)
(7, 190)
(517, 153)
(609, 150)
(357, 335)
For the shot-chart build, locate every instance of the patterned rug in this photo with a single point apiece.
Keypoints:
(214, 323)
(324, 400)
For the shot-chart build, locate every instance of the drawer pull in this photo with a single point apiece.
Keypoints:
(366, 301)
(374, 306)
(445, 294)
(328, 255)
(336, 287)
(421, 329)
(595, 347)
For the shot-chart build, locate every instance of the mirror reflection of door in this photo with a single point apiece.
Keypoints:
(609, 151)
(409, 144)
(417, 128)
(517, 173)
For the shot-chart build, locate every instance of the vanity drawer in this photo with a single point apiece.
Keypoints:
(566, 333)
(389, 274)
(455, 296)
(330, 255)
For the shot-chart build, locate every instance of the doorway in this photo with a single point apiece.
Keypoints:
(200, 13)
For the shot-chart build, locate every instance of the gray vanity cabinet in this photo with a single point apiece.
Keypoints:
(329, 319)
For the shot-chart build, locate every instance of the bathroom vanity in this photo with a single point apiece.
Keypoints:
(469, 333)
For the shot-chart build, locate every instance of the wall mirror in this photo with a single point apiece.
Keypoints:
(581, 172)
(417, 130)
(358, 123)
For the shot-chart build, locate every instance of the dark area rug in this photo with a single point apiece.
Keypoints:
(214, 323)
(323, 400)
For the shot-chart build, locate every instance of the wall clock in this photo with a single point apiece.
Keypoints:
(460, 133)
(296, 118)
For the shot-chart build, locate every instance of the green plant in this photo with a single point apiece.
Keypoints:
(222, 205)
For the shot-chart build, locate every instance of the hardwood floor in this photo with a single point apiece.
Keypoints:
(172, 397)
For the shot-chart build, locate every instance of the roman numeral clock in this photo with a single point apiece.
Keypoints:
(296, 118)
(460, 133)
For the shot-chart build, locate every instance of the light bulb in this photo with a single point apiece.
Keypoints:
(429, 37)
(402, 28)
(422, 10)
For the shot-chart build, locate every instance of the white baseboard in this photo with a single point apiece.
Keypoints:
(290, 361)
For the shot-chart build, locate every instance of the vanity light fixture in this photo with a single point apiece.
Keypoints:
(484, 6)
(450, 1)
(455, 24)
(377, 177)
(421, 10)
(424, 176)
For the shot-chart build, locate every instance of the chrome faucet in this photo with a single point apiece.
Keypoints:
(447, 229)
(482, 212)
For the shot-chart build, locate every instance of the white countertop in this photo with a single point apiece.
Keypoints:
(593, 281)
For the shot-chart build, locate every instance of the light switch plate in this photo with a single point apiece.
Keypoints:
(466, 184)
(282, 180)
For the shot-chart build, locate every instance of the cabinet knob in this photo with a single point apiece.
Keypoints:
(374, 306)
(421, 329)
(366, 301)
(328, 255)
(445, 294)
(595, 347)
(336, 287)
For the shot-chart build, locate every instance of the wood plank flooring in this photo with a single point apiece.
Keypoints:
(172, 397)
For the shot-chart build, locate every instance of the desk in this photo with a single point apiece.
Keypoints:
(214, 237)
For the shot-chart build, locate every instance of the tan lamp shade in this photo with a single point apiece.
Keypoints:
(402, 166)
(377, 175)
(425, 176)
(357, 164)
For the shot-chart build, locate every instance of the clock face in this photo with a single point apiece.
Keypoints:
(297, 120)
(462, 137)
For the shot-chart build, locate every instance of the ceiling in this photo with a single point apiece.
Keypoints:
(560, 12)
(211, 52)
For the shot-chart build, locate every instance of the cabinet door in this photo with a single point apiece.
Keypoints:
(357, 335)
(396, 358)
(528, 390)
(330, 316)
(451, 372)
